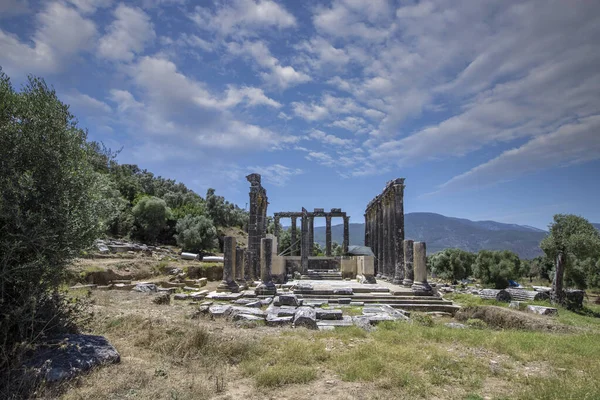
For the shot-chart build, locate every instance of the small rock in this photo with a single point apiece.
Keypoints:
(162, 298)
(541, 310)
(456, 325)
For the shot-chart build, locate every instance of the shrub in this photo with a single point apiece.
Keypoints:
(196, 233)
(151, 215)
(48, 203)
(496, 267)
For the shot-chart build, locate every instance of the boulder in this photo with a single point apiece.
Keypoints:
(66, 356)
(305, 317)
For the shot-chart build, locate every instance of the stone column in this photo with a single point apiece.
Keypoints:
(420, 287)
(228, 283)
(386, 237)
(367, 229)
(239, 268)
(346, 235)
(266, 287)
(328, 236)
(304, 239)
(392, 237)
(408, 263)
(311, 235)
(399, 233)
(248, 272)
(276, 231)
(293, 236)
(380, 237)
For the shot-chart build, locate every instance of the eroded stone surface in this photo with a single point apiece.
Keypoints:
(541, 310)
(66, 356)
(305, 317)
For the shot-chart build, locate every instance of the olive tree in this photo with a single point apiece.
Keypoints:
(196, 233)
(496, 267)
(452, 264)
(151, 215)
(48, 203)
(571, 238)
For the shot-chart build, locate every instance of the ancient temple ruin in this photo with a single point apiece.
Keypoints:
(384, 231)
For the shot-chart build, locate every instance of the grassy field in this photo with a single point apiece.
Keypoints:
(168, 354)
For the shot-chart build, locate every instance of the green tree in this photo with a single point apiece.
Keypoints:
(196, 233)
(48, 203)
(452, 264)
(151, 215)
(496, 267)
(571, 238)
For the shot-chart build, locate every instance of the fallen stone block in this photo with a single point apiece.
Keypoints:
(314, 303)
(362, 322)
(345, 321)
(145, 287)
(66, 356)
(247, 317)
(202, 282)
(243, 302)
(344, 300)
(517, 305)
(181, 296)
(288, 299)
(328, 314)
(223, 296)
(190, 289)
(123, 286)
(266, 301)
(249, 294)
(305, 317)
(166, 290)
(219, 311)
(541, 310)
(256, 304)
(377, 318)
(233, 310)
(273, 320)
(357, 303)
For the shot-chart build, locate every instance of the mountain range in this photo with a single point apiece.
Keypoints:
(441, 232)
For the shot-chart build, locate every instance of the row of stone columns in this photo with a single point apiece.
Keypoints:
(415, 268)
(310, 229)
(384, 231)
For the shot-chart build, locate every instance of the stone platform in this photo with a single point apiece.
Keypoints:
(354, 293)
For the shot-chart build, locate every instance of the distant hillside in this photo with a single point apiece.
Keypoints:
(597, 226)
(441, 232)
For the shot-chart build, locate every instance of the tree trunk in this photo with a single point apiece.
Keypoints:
(558, 293)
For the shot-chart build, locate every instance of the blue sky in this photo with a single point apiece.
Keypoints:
(490, 110)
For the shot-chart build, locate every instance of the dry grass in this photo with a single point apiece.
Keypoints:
(167, 355)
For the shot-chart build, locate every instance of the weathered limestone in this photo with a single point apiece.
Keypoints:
(399, 234)
(384, 230)
(266, 287)
(276, 233)
(228, 284)
(346, 240)
(408, 263)
(304, 242)
(305, 317)
(239, 269)
(328, 236)
(311, 235)
(248, 271)
(420, 287)
(257, 222)
(293, 237)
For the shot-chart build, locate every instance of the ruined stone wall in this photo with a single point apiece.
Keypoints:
(384, 230)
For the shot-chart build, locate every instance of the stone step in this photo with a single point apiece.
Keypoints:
(448, 308)
(366, 297)
(390, 302)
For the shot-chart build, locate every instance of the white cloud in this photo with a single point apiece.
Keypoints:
(319, 54)
(277, 174)
(87, 103)
(320, 158)
(90, 6)
(571, 143)
(277, 75)
(328, 139)
(243, 17)
(310, 112)
(60, 35)
(128, 35)
(352, 124)
(354, 18)
(195, 41)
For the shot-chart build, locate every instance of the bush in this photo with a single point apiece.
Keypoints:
(496, 267)
(151, 215)
(196, 233)
(48, 203)
(452, 264)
